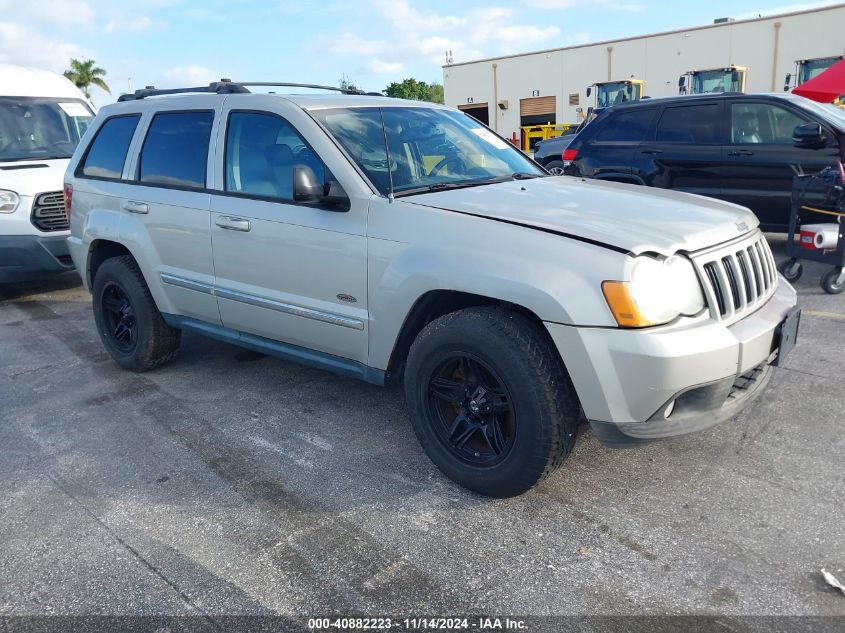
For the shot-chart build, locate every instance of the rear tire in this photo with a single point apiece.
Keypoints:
(128, 321)
(483, 379)
(555, 167)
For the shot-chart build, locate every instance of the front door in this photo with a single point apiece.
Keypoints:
(760, 159)
(284, 270)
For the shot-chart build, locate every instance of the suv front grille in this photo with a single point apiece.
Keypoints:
(48, 212)
(738, 277)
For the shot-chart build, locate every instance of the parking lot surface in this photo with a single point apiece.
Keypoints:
(233, 483)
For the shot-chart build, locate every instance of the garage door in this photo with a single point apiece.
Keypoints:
(537, 110)
(477, 111)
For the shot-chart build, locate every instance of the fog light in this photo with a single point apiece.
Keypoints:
(669, 409)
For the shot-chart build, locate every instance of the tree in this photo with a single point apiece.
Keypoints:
(435, 92)
(414, 89)
(85, 74)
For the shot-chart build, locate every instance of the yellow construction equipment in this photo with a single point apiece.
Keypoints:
(533, 133)
(806, 69)
(610, 93)
(698, 82)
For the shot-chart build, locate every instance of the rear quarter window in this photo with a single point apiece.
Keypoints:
(175, 151)
(107, 152)
(628, 126)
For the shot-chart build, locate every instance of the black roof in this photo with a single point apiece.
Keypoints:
(712, 96)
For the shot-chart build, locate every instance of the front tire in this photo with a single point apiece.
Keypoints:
(490, 400)
(128, 321)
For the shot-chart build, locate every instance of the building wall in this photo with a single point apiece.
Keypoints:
(658, 59)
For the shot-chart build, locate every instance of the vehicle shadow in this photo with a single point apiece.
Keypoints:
(53, 283)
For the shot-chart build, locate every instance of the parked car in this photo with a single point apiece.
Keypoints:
(42, 118)
(735, 147)
(549, 153)
(402, 242)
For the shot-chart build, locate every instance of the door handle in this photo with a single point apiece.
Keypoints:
(651, 151)
(136, 207)
(741, 152)
(233, 224)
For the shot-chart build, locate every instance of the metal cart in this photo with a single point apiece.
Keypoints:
(819, 195)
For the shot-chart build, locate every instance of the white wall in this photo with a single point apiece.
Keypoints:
(658, 59)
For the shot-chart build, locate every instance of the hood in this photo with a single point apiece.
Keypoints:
(626, 217)
(31, 177)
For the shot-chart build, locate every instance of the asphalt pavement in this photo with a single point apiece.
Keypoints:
(229, 482)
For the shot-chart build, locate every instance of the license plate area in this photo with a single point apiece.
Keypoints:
(786, 335)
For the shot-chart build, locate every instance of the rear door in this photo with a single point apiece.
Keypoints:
(760, 158)
(166, 207)
(610, 150)
(686, 154)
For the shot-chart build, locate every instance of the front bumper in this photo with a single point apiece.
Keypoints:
(25, 257)
(626, 379)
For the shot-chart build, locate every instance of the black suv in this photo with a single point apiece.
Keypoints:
(736, 147)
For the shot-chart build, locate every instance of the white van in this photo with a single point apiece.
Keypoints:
(42, 118)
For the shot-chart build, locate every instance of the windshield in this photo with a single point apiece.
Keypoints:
(38, 128)
(616, 93)
(814, 67)
(708, 81)
(829, 112)
(411, 150)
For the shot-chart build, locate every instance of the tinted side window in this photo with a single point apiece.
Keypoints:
(763, 123)
(262, 151)
(175, 151)
(634, 125)
(108, 150)
(696, 124)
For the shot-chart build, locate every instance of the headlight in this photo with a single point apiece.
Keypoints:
(8, 201)
(659, 291)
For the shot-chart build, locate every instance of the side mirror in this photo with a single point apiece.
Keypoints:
(787, 81)
(308, 189)
(809, 135)
(589, 91)
(735, 76)
(629, 89)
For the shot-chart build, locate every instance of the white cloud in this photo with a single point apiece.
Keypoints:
(132, 23)
(613, 5)
(378, 66)
(416, 34)
(59, 14)
(22, 45)
(184, 76)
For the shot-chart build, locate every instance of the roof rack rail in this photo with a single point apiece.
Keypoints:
(227, 86)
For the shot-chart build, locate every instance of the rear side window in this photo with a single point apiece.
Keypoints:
(108, 150)
(175, 152)
(633, 125)
(696, 124)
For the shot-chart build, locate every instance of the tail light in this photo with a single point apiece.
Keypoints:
(569, 155)
(68, 199)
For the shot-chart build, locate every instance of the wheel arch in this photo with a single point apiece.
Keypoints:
(435, 304)
(98, 252)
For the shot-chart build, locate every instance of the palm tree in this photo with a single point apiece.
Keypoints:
(84, 75)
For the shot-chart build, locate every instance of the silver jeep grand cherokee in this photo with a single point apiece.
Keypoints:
(400, 241)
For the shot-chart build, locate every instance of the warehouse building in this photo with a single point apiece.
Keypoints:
(551, 86)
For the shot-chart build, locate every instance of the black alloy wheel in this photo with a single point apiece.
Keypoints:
(471, 410)
(119, 317)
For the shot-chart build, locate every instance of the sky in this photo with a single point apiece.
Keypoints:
(171, 43)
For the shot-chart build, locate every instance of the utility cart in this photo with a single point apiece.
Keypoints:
(820, 198)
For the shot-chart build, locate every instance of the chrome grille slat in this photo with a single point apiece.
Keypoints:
(737, 277)
(48, 212)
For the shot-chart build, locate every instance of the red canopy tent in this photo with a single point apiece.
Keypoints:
(826, 87)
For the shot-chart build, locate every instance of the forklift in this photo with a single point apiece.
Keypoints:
(699, 82)
(806, 69)
(610, 93)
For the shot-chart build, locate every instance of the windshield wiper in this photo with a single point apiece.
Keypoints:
(31, 158)
(440, 186)
(523, 176)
